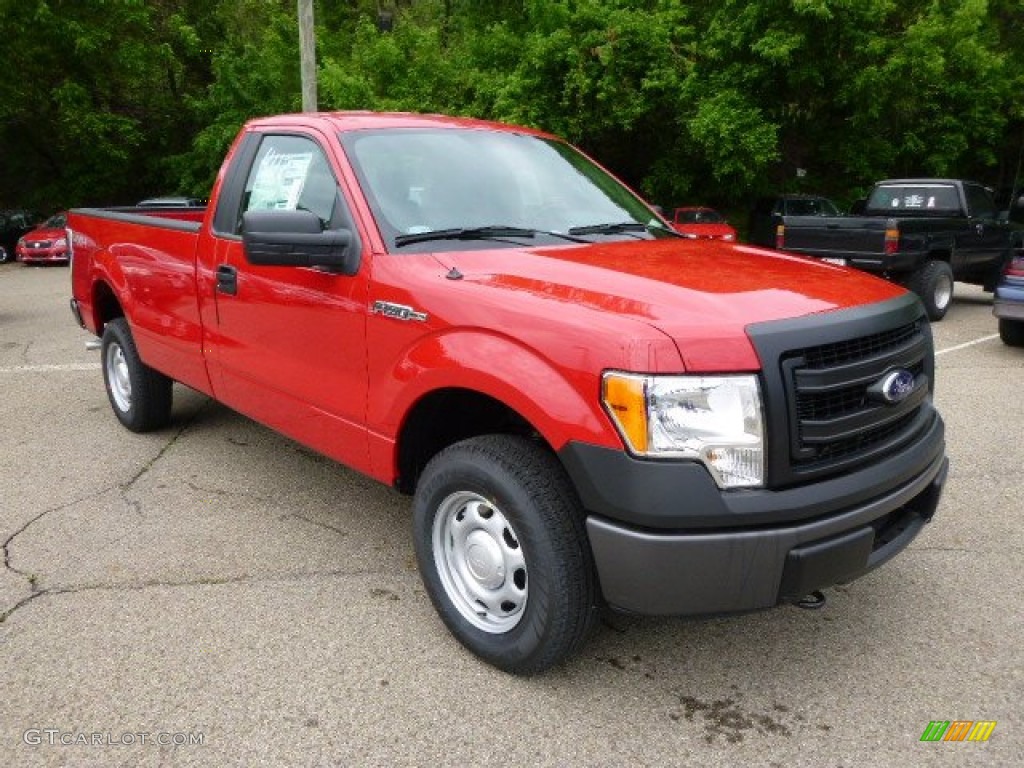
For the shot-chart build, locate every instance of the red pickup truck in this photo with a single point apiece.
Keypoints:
(588, 409)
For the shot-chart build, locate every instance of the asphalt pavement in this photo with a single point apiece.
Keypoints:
(214, 594)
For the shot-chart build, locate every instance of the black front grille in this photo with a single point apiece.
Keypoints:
(841, 352)
(829, 387)
(824, 377)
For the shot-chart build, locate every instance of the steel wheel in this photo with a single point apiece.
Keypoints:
(480, 562)
(119, 378)
(139, 395)
(943, 292)
(933, 283)
(503, 552)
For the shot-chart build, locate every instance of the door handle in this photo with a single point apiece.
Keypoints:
(227, 279)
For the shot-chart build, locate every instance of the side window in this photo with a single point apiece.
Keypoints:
(291, 173)
(979, 202)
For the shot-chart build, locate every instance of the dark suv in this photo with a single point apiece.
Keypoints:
(768, 213)
(14, 224)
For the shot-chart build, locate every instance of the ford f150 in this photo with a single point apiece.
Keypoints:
(588, 409)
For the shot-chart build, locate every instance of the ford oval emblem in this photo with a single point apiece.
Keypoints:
(897, 386)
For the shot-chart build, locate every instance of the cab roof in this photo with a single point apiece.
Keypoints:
(368, 121)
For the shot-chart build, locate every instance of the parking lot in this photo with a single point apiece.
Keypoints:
(214, 594)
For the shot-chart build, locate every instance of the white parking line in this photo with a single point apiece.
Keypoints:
(966, 344)
(50, 368)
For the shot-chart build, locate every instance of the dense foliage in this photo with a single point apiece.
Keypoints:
(106, 101)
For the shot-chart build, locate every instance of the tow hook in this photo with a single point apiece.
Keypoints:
(812, 602)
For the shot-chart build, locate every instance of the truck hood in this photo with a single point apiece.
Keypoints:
(702, 294)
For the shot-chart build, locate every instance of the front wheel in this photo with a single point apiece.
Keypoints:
(503, 553)
(933, 283)
(1011, 332)
(5, 255)
(140, 396)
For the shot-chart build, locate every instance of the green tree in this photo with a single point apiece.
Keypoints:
(92, 104)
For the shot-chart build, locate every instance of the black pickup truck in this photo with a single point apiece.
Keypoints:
(922, 233)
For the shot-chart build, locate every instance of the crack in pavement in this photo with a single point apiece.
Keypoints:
(205, 581)
(304, 519)
(10, 539)
(121, 488)
(166, 447)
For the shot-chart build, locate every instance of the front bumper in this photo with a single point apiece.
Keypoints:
(750, 550)
(42, 256)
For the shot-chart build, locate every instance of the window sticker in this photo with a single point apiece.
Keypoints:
(279, 179)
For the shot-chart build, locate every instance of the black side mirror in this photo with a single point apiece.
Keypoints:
(298, 239)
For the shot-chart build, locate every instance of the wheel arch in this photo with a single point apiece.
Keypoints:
(106, 305)
(446, 416)
(470, 384)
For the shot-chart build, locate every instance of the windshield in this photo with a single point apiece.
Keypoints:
(811, 206)
(483, 189)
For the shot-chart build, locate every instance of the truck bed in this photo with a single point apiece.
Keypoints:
(150, 255)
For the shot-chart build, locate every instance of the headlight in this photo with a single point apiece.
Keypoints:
(60, 243)
(714, 419)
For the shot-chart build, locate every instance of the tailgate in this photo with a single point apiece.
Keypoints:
(839, 237)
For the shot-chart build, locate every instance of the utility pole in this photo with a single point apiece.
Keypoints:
(307, 60)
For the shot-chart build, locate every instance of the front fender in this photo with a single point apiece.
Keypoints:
(560, 399)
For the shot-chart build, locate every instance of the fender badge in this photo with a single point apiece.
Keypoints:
(397, 311)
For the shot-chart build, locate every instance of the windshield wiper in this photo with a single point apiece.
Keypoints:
(613, 228)
(491, 232)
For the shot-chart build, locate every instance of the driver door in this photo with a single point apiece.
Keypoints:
(289, 344)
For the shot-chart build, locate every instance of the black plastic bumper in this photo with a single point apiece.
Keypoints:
(732, 567)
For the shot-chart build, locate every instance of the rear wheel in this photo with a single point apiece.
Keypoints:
(140, 396)
(933, 283)
(1011, 332)
(503, 552)
(5, 255)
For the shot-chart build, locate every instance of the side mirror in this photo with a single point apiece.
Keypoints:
(297, 239)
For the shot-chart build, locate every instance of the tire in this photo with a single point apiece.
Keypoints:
(503, 552)
(5, 255)
(1011, 332)
(140, 396)
(933, 283)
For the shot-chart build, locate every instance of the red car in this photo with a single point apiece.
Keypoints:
(46, 245)
(701, 223)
